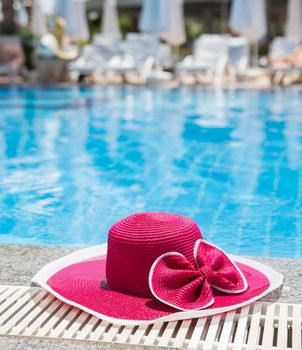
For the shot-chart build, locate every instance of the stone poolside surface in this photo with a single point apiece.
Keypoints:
(259, 81)
(18, 263)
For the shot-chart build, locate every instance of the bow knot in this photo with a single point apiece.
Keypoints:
(207, 273)
(174, 281)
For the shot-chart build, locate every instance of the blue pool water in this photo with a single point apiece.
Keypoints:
(75, 160)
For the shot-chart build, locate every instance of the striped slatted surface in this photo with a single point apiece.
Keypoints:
(32, 312)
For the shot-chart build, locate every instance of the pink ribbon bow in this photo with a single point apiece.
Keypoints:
(176, 282)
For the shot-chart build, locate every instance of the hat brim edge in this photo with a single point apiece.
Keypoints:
(41, 278)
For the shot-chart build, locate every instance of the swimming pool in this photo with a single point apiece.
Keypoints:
(75, 160)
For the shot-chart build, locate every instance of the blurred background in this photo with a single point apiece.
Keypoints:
(201, 16)
(224, 38)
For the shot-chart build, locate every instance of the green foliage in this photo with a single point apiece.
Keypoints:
(27, 39)
(193, 29)
(94, 29)
(125, 24)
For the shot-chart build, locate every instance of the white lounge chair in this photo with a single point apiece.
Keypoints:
(94, 58)
(125, 65)
(107, 46)
(157, 76)
(90, 63)
(282, 48)
(138, 56)
(210, 54)
(164, 56)
(238, 57)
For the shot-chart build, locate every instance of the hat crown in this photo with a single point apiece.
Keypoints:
(136, 241)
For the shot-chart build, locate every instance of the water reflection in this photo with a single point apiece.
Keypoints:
(73, 161)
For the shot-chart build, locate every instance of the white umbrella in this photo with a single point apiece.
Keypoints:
(74, 13)
(154, 16)
(110, 23)
(249, 19)
(176, 35)
(48, 7)
(38, 19)
(80, 31)
(294, 20)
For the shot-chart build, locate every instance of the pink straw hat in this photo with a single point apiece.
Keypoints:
(157, 267)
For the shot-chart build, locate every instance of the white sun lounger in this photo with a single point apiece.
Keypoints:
(107, 45)
(210, 54)
(94, 58)
(138, 56)
(32, 312)
(282, 48)
(238, 57)
(164, 56)
(90, 62)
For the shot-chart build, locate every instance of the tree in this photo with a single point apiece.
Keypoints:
(8, 24)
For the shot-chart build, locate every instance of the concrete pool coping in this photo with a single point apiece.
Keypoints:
(18, 263)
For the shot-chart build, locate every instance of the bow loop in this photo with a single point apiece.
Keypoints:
(176, 282)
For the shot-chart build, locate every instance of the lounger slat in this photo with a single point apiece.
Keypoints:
(85, 331)
(254, 327)
(211, 333)
(49, 325)
(29, 304)
(152, 336)
(296, 327)
(124, 335)
(98, 332)
(241, 328)
(64, 322)
(19, 328)
(111, 333)
(181, 334)
(166, 336)
(196, 335)
(9, 313)
(4, 290)
(138, 335)
(11, 299)
(50, 305)
(282, 327)
(9, 291)
(76, 324)
(268, 330)
(226, 330)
